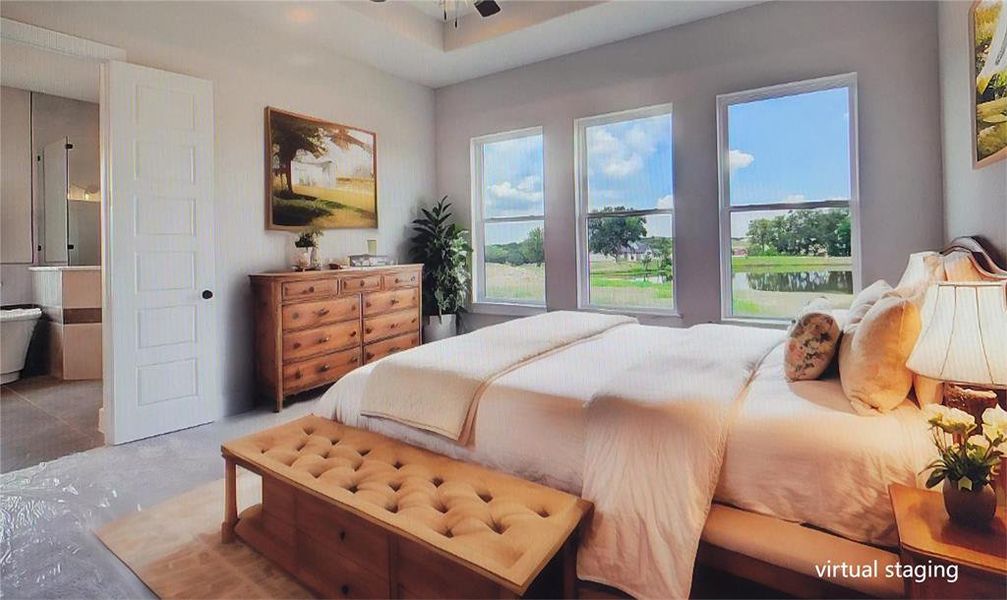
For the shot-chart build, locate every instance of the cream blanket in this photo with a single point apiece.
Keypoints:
(655, 439)
(436, 386)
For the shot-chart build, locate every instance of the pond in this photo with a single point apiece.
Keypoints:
(823, 282)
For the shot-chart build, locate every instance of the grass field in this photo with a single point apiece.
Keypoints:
(349, 205)
(627, 284)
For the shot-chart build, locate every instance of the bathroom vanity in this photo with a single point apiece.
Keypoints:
(70, 299)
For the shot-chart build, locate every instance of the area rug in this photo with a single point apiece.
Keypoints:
(174, 548)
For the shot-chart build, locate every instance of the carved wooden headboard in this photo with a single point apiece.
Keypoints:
(980, 255)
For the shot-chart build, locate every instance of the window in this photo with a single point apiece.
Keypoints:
(626, 211)
(509, 218)
(788, 196)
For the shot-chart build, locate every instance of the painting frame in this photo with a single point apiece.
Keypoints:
(1001, 153)
(270, 171)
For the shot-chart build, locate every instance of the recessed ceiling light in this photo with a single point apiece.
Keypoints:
(300, 15)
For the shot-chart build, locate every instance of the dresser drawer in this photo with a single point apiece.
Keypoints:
(309, 342)
(388, 325)
(313, 288)
(317, 371)
(382, 302)
(376, 350)
(344, 534)
(322, 312)
(403, 279)
(361, 284)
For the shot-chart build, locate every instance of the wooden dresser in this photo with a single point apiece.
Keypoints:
(311, 328)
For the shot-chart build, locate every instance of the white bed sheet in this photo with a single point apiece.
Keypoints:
(796, 451)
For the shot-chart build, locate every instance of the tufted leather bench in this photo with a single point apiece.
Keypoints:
(355, 514)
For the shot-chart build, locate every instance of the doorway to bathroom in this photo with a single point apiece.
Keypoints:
(51, 392)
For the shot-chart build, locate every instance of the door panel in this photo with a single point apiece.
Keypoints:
(157, 134)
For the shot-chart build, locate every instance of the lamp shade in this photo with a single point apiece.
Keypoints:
(964, 338)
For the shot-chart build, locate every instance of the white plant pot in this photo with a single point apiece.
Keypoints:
(439, 327)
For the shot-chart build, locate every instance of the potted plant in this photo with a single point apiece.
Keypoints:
(307, 241)
(967, 464)
(443, 248)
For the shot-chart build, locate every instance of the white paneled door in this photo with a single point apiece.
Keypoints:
(157, 141)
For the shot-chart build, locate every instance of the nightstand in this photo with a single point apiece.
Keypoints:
(928, 538)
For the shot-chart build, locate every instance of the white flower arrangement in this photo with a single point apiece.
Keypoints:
(973, 462)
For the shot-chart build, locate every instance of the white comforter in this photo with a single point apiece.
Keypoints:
(654, 446)
(796, 451)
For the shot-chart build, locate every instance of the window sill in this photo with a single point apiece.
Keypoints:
(752, 322)
(633, 312)
(506, 309)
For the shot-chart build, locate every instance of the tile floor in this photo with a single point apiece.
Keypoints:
(44, 418)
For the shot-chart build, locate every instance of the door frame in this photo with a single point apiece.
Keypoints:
(99, 55)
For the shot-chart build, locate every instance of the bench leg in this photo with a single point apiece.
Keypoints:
(230, 502)
(570, 567)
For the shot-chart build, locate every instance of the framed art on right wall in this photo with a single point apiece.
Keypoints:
(988, 47)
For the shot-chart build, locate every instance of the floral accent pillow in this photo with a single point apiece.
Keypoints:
(812, 341)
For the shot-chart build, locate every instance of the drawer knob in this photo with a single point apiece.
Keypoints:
(323, 368)
(354, 359)
(297, 345)
(393, 326)
(297, 375)
(397, 280)
(370, 355)
(361, 283)
(296, 316)
(322, 312)
(368, 330)
(394, 301)
(310, 290)
(368, 305)
(324, 339)
(345, 590)
(353, 333)
(342, 535)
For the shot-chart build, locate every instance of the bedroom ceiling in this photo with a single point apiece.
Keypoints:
(409, 39)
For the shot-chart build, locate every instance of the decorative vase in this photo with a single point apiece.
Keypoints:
(970, 508)
(304, 259)
(439, 327)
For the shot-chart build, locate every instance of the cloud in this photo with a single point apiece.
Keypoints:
(523, 198)
(618, 151)
(739, 160)
(666, 202)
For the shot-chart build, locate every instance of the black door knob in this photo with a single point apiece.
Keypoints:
(207, 294)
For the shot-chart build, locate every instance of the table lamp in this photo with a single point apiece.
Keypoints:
(964, 343)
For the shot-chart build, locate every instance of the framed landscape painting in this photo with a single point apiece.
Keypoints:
(988, 44)
(319, 174)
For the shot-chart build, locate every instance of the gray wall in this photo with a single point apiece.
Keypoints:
(15, 197)
(892, 47)
(251, 69)
(975, 200)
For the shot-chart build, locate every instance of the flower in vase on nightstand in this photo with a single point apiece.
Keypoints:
(968, 464)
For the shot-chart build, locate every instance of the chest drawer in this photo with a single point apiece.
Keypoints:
(391, 324)
(345, 535)
(373, 352)
(316, 371)
(403, 279)
(361, 284)
(321, 312)
(296, 290)
(382, 302)
(309, 342)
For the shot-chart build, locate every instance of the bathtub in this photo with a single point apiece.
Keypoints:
(17, 325)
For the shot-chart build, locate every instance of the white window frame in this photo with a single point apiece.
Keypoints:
(724, 101)
(480, 303)
(583, 213)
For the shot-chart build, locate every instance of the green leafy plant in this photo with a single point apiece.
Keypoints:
(443, 248)
(308, 238)
(968, 461)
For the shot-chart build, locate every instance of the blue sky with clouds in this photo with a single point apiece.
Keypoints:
(789, 149)
(794, 148)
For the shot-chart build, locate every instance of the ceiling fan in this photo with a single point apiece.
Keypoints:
(485, 8)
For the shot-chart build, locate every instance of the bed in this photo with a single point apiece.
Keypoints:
(800, 466)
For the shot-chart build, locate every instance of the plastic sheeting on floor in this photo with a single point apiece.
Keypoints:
(47, 548)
